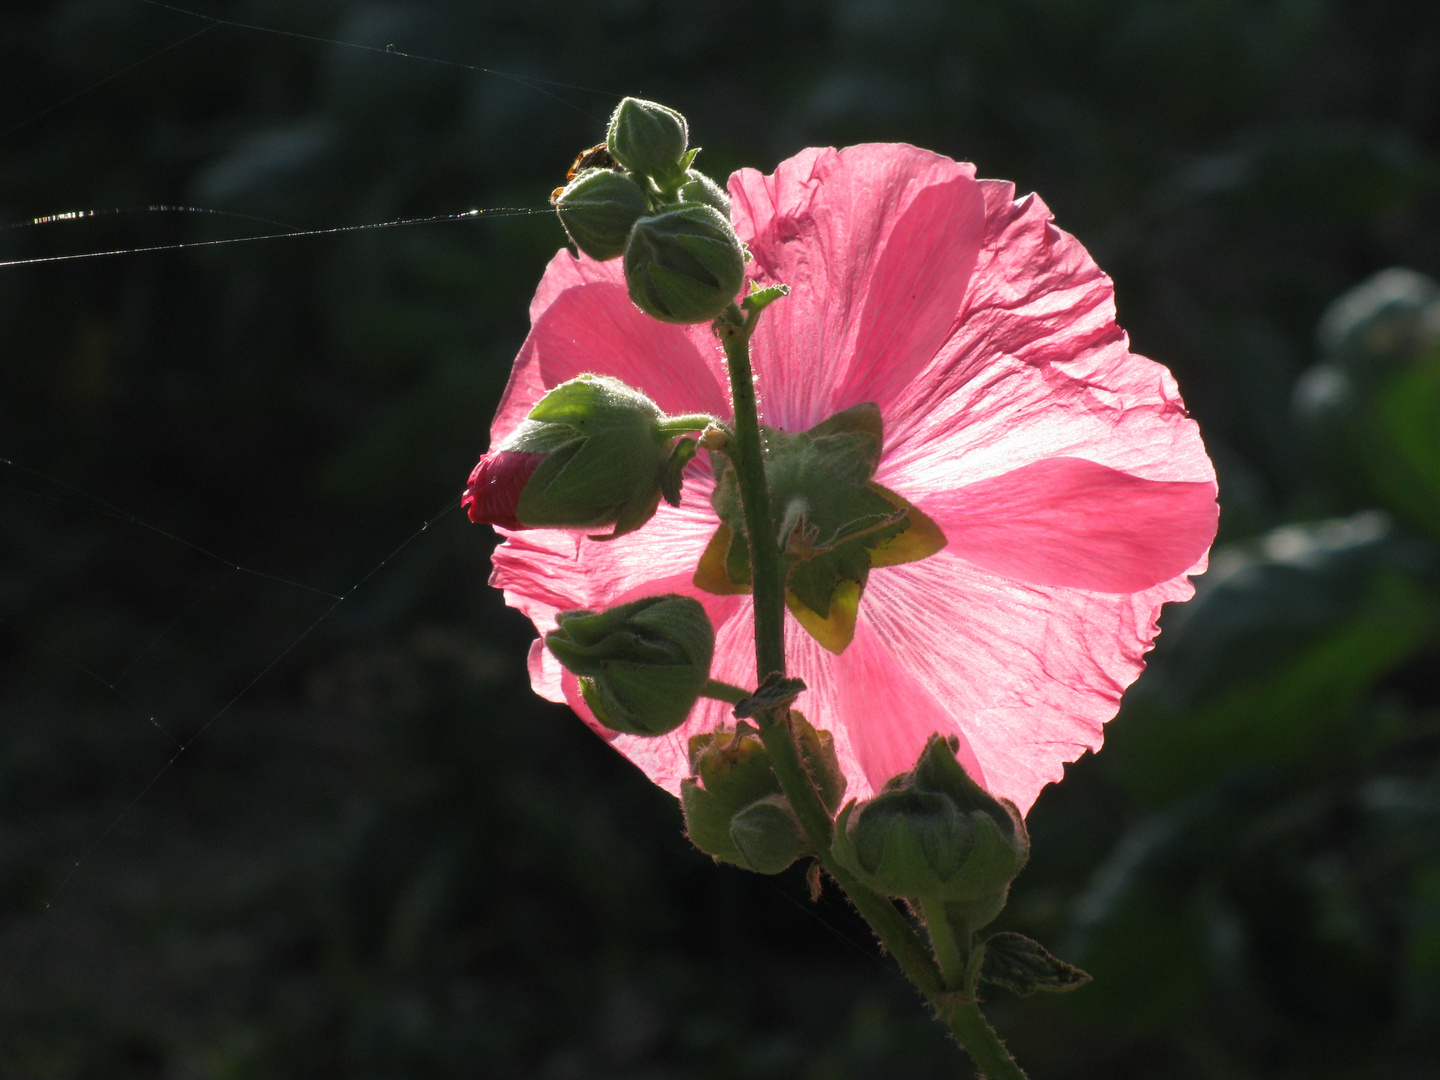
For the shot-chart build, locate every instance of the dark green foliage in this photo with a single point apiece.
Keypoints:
(361, 868)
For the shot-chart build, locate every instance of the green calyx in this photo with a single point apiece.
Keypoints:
(684, 264)
(598, 209)
(641, 665)
(835, 523)
(608, 457)
(734, 809)
(650, 140)
(935, 835)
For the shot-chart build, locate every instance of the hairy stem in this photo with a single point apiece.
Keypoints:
(768, 574)
(949, 953)
(747, 455)
(978, 1038)
(958, 1007)
(723, 691)
(940, 983)
(683, 425)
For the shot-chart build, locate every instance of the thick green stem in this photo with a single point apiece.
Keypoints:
(958, 1007)
(978, 1038)
(768, 575)
(955, 1006)
(747, 456)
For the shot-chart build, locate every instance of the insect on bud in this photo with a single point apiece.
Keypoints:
(641, 665)
(684, 265)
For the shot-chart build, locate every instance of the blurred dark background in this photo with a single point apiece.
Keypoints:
(378, 855)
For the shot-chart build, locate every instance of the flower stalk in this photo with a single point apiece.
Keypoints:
(747, 455)
(942, 983)
(723, 691)
(950, 953)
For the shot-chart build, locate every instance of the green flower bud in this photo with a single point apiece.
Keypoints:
(699, 188)
(649, 139)
(641, 665)
(684, 265)
(734, 809)
(591, 453)
(732, 771)
(767, 835)
(936, 835)
(598, 209)
(817, 751)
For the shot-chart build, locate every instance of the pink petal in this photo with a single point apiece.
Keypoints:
(877, 243)
(565, 271)
(1036, 368)
(879, 714)
(588, 324)
(1070, 522)
(1029, 674)
(595, 328)
(1025, 675)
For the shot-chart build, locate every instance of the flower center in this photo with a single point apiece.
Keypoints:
(834, 524)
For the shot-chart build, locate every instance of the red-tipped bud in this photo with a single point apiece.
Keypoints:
(591, 453)
(496, 485)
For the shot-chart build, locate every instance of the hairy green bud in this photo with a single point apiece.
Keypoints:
(649, 139)
(598, 208)
(592, 452)
(934, 834)
(734, 809)
(684, 265)
(767, 835)
(641, 665)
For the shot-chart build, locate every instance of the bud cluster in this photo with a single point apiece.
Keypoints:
(683, 261)
(734, 808)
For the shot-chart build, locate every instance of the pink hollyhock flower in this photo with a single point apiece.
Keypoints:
(1073, 490)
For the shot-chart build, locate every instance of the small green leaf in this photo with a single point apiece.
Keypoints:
(862, 419)
(764, 297)
(1024, 966)
(672, 472)
(775, 690)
